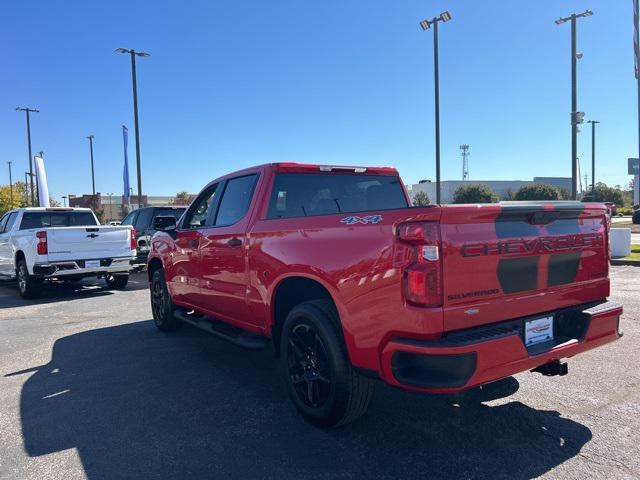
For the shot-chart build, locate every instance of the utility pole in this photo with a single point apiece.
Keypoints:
(464, 149)
(576, 117)
(28, 110)
(426, 24)
(10, 186)
(93, 178)
(593, 155)
(133, 54)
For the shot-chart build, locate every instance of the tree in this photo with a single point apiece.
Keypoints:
(475, 193)
(5, 197)
(182, 198)
(538, 191)
(420, 199)
(604, 193)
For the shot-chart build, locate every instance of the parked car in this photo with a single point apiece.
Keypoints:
(38, 244)
(142, 220)
(350, 284)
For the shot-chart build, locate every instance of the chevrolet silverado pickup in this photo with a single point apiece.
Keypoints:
(38, 244)
(349, 283)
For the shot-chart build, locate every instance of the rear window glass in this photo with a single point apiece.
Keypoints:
(304, 194)
(56, 219)
(169, 212)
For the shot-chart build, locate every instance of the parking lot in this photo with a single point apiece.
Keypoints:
(90, 389)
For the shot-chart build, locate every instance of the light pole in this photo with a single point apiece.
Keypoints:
(28, 110)
(576, 117)
(93, 178)
(133, 54)
(593, 156)
(426, 24)
(10, 186)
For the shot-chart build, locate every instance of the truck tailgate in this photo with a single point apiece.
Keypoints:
(91, 242)
(513, 260)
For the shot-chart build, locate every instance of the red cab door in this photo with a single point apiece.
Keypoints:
(186, 265)
(223, 254)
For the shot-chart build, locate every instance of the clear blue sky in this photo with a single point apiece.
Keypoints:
(235, 83)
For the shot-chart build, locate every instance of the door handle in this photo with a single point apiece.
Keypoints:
(194, 242)
(234, 242)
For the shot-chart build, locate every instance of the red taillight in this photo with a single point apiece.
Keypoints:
(134, 242)
(422, 279)
(42, 247)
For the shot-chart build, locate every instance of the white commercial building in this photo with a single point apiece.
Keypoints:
(502, 188)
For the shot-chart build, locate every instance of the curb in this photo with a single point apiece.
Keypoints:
(622, 261)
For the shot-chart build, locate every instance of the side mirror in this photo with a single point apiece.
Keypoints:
(164, 224)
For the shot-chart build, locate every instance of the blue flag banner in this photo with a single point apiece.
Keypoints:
(125, 173)
(636, 40)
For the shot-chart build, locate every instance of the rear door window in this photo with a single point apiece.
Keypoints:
(309, 194)
(236, 199)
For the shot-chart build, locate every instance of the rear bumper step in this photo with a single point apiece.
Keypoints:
(477, 356)
(238, 337)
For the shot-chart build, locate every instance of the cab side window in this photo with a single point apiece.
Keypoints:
(10, 221)
(143, 222)
(130, 219)
(3, 223)
(201, 209)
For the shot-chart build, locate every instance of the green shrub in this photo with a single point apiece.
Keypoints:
(625, 211)
(475, 193)
(420, 199)
(538, 191)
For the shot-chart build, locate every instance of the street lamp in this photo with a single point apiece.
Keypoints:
(593, 156)
(93, 178)
(576, 117)
(28, 110)
(426, 25)
(10, 187)
(135, 54)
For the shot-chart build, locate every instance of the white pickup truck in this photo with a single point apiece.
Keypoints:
(65, 244)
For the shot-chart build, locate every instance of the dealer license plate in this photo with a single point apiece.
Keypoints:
(92, 264)
(538, 331)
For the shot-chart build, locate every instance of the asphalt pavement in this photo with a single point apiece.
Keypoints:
(89, 389)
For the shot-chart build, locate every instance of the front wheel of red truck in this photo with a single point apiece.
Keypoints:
(161, 305)
(322, 384)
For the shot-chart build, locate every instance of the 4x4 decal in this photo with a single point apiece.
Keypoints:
(364, 220)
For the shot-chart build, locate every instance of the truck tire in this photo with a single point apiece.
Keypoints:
(28, 285)
(322, 384)
(116, 282)
(161, 305)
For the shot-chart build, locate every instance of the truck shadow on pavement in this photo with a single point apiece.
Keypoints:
(52, 292)
(137, 403)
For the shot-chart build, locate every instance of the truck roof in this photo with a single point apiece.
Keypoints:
(309, 167)
(53, 209)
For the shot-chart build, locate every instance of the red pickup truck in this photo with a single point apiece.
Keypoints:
(350, 283)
